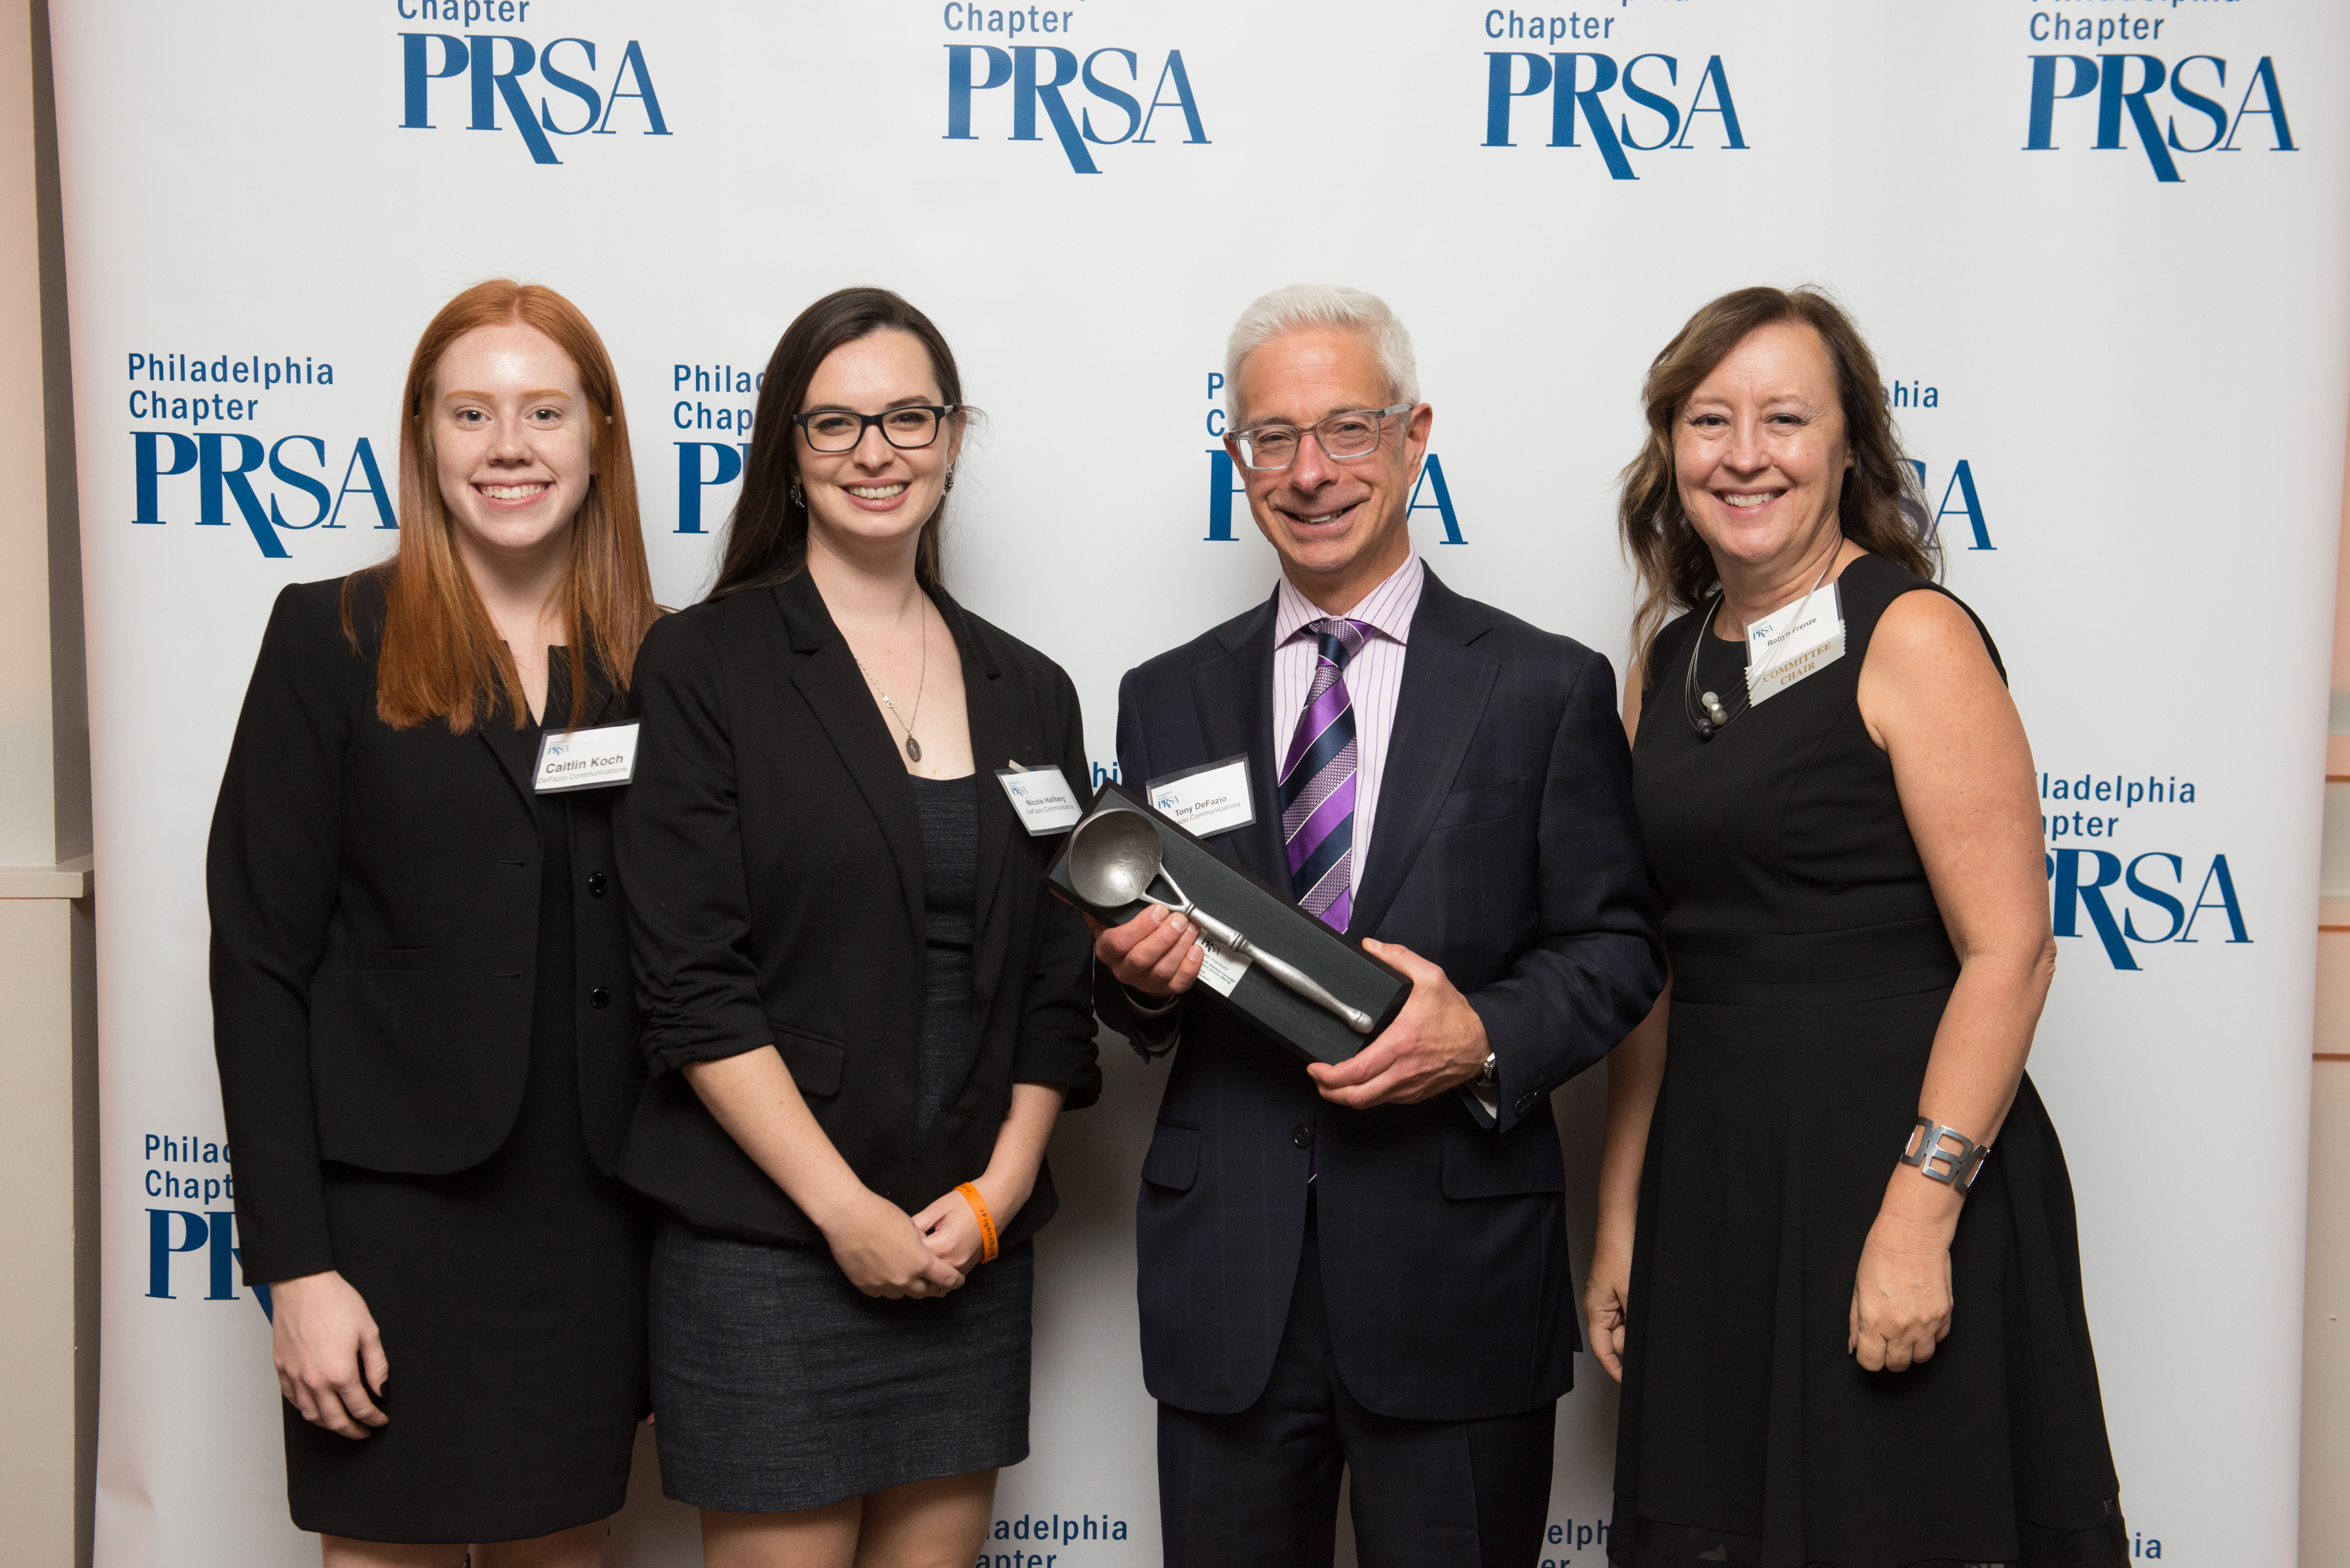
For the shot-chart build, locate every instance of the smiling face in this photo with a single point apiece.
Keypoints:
(513, 442)
(1338, 523)
(1759, 448)
(874, 495)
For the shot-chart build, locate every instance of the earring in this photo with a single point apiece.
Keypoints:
(797, 499)
(949, 479)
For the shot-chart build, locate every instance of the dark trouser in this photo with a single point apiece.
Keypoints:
(1260, 1489)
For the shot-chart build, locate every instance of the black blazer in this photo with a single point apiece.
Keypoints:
(1507, 852)
(775, 866)
(375, 897)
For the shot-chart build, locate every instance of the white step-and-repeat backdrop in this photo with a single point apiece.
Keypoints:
(2098, 245)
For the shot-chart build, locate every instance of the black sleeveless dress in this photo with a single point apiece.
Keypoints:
(1810, 971)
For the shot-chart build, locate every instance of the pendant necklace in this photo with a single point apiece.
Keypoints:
(913, 746)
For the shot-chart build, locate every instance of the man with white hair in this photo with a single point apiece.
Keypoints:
(1364, 1267)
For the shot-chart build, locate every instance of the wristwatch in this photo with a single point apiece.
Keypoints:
(1491, 1078)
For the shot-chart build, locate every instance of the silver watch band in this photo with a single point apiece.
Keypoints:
(1944, 1153)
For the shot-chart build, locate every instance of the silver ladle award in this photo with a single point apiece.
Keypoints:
(1114, 857)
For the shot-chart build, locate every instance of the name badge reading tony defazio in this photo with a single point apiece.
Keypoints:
(1207, 799)
(1041, 799)
(586, 759)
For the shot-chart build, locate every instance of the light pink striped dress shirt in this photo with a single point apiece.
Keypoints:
(1374, 682)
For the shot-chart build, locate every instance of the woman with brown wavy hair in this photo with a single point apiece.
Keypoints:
(1849, 1328)
(422, 1009)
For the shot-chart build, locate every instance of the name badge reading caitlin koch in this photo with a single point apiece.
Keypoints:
(1802, 640)
(1207, 799)
(586, 759)
(1041, 799)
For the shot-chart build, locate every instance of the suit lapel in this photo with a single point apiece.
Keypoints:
(604, 703)
(1446, 683)
(827, 678)
(516, 751)
(512, 749)
(1233, 695)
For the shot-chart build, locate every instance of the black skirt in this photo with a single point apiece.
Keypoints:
(780, 1385)
(1748, 1434)
(511, 1299)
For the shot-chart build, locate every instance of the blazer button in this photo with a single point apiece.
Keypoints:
(599, 997)
(1302, 1136)
(1526, 1102)
(598, 883)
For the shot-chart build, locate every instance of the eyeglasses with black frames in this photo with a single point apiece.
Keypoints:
(908, 428)
(1354, 433)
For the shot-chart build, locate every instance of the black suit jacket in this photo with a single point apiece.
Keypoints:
(775, 862)
(375, 898)
(1506, 851)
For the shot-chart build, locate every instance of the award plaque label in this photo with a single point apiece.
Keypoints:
(1220, 971)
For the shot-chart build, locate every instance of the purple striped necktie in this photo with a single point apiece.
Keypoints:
(1317, 781)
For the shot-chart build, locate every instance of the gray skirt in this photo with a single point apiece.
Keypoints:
(778, 1385)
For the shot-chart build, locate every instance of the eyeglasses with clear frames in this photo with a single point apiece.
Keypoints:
(1354, 433)
(908, 428)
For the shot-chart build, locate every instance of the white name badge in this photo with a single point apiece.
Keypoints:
(1041, 799)
(1801, 640)
(1207, 799)
(586, 759)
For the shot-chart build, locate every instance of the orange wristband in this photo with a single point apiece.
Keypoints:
(986, 1220)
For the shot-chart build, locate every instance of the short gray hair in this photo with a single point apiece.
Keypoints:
(1303, 305)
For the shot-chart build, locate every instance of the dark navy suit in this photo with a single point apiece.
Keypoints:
(1506, 851)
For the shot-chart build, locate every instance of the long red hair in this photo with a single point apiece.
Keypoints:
(441, 658)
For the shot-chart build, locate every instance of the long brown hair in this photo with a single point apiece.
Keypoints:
(1881, 508)
(441, 658)
(766, 538)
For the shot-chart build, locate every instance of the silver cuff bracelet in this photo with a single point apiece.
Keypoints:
(1945, 1155)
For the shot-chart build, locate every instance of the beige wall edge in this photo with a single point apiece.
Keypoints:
(68, 879)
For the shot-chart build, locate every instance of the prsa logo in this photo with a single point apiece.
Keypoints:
(2196, 85)
(1039, 75)
(709, 397)
(193, 1170)
(274, 485)
(1429, 493)
(494, 66)
(1961, 499)
(2131, 900)
(1590, 92)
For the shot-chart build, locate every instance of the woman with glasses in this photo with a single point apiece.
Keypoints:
(863, 1013)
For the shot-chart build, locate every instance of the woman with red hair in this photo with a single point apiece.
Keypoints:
(422, 1009)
